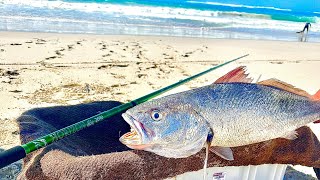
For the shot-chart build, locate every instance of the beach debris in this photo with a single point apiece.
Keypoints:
(236, 111)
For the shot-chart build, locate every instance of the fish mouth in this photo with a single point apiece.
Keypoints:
(137, 136)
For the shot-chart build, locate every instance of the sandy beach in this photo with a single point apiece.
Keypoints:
(42, 69)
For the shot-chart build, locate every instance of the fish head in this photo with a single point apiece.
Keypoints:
(169, 129)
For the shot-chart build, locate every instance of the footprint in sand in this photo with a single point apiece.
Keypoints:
(139, 55)
(41, 41)
(16, 91)
(58, 53)
(120, 65)
(61, 50)
(106, 55)
(152, 67)
(104, 47)
(103, 67)
(134, 44)
(187, 54)
(172, 66)
(52, 57)
(9, 73)
(142, 75)
(15, 44)
(167, 56)
(276, 62)
(70, 47)
(113, 65)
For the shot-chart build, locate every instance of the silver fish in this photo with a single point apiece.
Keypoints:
(234, 111)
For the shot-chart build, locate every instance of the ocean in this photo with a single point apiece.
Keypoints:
(239, 19)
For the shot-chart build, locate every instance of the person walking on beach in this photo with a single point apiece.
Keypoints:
(306, 26)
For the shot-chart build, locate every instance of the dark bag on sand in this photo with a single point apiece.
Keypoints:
(96, 153)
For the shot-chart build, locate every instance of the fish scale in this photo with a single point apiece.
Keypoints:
(236, 107)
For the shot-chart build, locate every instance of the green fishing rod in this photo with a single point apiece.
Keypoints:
(18, 152)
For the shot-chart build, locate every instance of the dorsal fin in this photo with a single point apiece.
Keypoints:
(236, 75)
(285, 86)
(316, 96)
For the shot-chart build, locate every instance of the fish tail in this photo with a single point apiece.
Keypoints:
(316, 97)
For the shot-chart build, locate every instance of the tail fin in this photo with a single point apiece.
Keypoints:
(316, 97)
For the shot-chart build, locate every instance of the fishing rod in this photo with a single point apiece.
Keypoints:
(18, 152)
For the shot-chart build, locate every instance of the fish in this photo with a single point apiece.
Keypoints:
(233, 111)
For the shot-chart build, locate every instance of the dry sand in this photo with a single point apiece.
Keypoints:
(38, 70)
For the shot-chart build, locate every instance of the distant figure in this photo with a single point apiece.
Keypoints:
(307, 26)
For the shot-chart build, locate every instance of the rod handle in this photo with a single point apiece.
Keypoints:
(11, 155)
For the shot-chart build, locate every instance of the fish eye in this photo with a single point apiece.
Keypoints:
(156, 115)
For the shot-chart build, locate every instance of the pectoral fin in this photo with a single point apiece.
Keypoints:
(292, 135)
(224, 152)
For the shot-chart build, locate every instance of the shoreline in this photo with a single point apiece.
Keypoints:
(206, 33)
